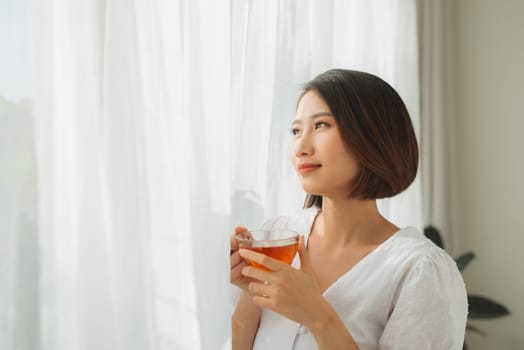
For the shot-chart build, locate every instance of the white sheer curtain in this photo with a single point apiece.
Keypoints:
(438, 135)
(131, 106)
(160, 125)
(19, 254)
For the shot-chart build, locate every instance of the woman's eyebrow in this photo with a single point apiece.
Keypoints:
(313, 116)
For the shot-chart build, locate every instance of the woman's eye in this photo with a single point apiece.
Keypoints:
(320, 124)
(295, 131)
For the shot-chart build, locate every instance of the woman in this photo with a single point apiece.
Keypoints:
(363, 283)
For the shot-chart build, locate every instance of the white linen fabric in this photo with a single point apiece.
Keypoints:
(405, 294)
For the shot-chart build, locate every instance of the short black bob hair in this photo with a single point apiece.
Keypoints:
(375, 125)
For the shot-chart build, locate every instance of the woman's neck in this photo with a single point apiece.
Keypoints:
(352, 221)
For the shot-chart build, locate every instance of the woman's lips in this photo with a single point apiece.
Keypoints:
(307, 168)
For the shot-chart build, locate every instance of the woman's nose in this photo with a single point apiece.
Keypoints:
(303, 146)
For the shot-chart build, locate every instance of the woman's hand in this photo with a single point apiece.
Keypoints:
(296, 294)
(292, 293)
(237, 263)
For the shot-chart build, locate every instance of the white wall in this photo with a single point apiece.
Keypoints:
(489, 112)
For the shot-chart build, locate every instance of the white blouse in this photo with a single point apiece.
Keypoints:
(406, 294)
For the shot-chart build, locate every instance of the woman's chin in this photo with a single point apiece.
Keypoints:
(312, 190)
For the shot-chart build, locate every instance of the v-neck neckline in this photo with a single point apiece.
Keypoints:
(359, 263)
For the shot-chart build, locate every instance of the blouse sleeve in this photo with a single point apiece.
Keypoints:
(430, 311)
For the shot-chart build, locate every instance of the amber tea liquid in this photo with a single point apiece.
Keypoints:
(284, 253)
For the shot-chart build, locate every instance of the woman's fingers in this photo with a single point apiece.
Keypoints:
(239, 229)
(262, 259)
(257, 274)
(233, 241)
(260, 288)
(234, 259)
(236, 276)
(237, 264)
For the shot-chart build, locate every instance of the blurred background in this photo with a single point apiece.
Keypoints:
(134, 135)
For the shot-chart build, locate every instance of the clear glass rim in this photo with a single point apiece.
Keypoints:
(264, 243)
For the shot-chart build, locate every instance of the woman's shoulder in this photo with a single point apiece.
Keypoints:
(427, 283)
(415, 249)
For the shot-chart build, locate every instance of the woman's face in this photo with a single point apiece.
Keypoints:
(323, 162)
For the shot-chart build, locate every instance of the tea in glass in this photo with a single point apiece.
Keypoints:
(280, 244)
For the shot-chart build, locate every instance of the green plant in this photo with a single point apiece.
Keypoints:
(479, 307)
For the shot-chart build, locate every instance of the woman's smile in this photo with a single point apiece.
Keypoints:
(307, 168)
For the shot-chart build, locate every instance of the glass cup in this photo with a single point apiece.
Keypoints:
(280, 244)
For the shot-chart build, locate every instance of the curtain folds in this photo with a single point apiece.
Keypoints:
(161, 125)
(438, 136)
(131, 152)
